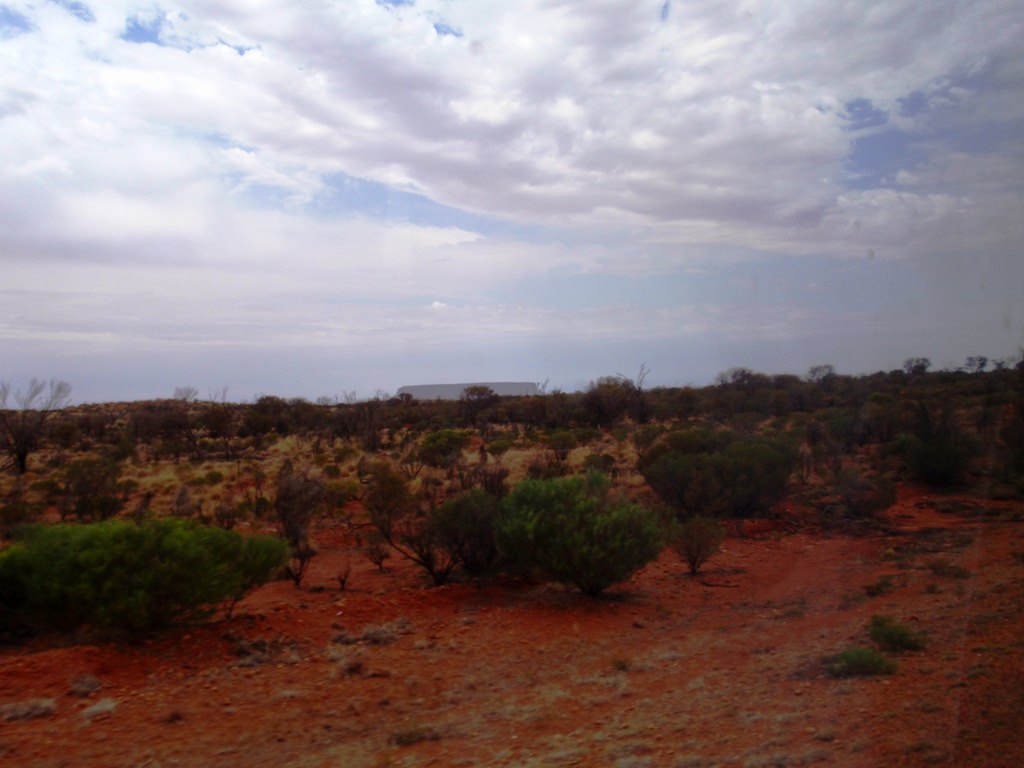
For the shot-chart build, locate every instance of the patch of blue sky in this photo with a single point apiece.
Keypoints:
(241, 50)
(825, 285)
(443, 29)
(876, 158)
(80, 10)
(141, 30)
(349, 195)
(666, 9)
(395, 3)
(862, 114)
(13, 23)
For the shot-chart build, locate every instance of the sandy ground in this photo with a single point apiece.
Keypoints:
(667, 670)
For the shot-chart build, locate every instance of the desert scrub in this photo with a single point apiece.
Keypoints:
(883, 586)
(859, 662)
(131, 579)
(698, 540)
(576, 532)
(947, 570)
(891, 635)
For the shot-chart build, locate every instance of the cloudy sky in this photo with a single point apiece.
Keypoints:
(310, 198)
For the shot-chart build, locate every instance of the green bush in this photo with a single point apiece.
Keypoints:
(941, 460)
(859, 662)
(697, 540)
(465, 527)
(125, 578)
(92, 486)
(892, 635)
(572, 529)
(693, 476)
(443, 448)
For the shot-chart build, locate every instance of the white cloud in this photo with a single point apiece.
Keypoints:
(177, 186)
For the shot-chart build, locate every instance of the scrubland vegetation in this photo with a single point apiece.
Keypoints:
(635, 552)
(583, 488)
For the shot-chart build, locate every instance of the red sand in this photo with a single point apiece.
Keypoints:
(725, 669)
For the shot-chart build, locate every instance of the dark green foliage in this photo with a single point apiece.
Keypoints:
(297, 500)
(941, 460)
(443, 448)
(408, 526)
(939, 451)
(744, 477)
(891, 635)
(859, 498)
(697, 540)
(883, 586)
(92, 490)
(465, 528)
(859, 662)
(15, 509)
(577, 533)
(125, 578)
(607, 399)
(947, 570)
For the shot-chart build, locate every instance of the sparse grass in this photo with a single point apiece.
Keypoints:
(859, 662)
(947, 570)
(851, 599)
(414, 735)
(883, 586)
(892, 635)
(621, 665)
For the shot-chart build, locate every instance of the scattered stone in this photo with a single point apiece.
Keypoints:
(102, 708)
(29, 709)
(84, 685)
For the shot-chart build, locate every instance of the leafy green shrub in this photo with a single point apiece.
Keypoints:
(941, 460)
(465, 528)
(693, 475)
(892, 635)
(121, 577)
(443, 448)
(577, 533)
(697, 540)
(859, 662)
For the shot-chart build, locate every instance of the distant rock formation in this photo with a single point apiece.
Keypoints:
(454, 391)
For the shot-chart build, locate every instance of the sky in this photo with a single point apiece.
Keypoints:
(321, 198)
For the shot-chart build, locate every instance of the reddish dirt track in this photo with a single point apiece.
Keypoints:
(725, 669)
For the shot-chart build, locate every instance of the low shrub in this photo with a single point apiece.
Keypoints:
(697, 540)
(576, 532)
(465, 527)
(859, 662)
(947, 570)
(883, 586)
(695, 475)
(131, 579)
(892, 635)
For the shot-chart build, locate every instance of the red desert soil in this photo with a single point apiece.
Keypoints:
(725, 669)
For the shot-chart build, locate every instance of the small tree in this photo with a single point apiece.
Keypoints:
(465, 528)
(296, 501)
(443, 449)
(92, 489)
(698, 540)
(22, 428)
(407, 526)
